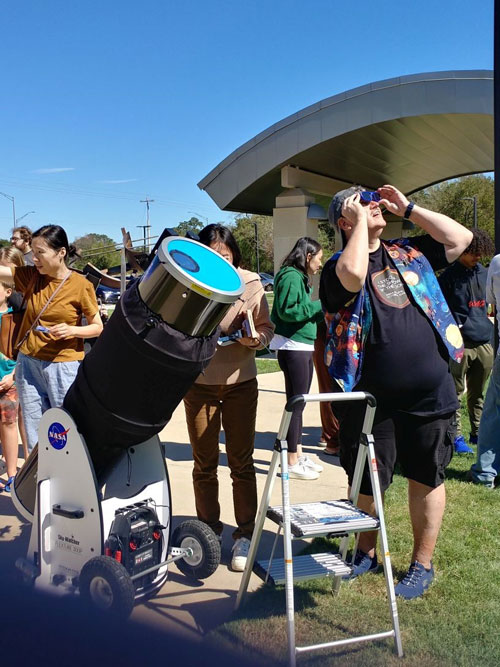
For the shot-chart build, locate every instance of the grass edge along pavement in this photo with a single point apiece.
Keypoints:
(455, 623)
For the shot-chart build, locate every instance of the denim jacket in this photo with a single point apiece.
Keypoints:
(349, 328)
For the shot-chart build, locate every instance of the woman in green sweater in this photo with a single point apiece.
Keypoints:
(295, 316)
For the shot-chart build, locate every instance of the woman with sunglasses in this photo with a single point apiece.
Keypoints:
(296, 316)
(51, 337)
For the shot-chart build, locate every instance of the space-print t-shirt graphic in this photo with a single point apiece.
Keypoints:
(387, 287)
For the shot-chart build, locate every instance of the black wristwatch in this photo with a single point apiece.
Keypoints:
(408, 211)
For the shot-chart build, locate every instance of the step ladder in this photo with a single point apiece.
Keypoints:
(336, 518)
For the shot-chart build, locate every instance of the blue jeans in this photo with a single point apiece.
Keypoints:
(41, 385)
(487, 465)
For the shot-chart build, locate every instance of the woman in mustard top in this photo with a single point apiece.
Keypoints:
(51, 338)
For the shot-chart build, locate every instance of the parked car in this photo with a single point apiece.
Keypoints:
(107, 294)
(267, 281)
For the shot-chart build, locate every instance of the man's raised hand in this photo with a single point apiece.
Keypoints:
(393, 200)
(352, 211)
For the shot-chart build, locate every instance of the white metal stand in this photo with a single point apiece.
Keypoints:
(321, 518)
(73, 514)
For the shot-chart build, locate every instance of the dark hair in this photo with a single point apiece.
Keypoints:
(481, 244)
(217, 233)
(24, 233)
(297, 257)
(56, 238)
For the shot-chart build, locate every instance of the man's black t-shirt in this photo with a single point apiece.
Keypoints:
(405, 363)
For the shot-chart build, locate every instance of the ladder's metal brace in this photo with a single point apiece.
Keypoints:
(366, 449)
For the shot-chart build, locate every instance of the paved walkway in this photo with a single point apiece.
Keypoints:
(184, 606)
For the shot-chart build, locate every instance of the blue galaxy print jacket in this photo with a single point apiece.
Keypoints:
(349, 328)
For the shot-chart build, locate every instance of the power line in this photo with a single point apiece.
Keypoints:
(98, 250)
(62, 188)
(147, 226)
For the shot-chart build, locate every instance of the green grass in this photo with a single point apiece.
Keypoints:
(455, 623)
(267, 366)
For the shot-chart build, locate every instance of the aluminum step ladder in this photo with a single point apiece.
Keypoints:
(337, 518)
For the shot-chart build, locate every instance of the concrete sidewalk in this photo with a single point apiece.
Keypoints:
(184, 606)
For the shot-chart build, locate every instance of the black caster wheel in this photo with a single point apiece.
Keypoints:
(205, 546)
(106, 585)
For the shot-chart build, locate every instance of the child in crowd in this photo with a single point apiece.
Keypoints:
(11, 256)
(8, 401)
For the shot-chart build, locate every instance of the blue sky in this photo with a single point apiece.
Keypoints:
(105, 102)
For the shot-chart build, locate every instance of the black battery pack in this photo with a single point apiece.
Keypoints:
(136, 540)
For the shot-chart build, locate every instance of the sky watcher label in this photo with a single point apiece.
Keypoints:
(57, 435)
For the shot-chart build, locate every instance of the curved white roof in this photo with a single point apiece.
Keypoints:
(411, 131)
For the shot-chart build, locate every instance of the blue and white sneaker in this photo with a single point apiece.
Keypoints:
(488, 484)
(363, 563)
(416, 581)
(461, 447)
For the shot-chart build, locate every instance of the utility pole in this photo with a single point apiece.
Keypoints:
(147, 226)
(23, 216)
(145, 238)
(13, 206)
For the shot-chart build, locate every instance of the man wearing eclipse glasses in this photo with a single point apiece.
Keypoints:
(392, 335)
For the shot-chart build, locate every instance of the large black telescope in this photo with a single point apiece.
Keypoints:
(161, 336)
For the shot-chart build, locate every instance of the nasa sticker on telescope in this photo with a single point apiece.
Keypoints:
(57, 435)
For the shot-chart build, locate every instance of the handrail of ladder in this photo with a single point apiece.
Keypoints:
(300, 399)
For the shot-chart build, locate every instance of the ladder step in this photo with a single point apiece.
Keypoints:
(325, 517)
(310, 566)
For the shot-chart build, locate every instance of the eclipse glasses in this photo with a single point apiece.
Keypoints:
(366, 196)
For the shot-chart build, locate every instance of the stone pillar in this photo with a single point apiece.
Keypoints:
(290, 222)
(394, 230)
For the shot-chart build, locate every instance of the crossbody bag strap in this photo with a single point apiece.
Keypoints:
(29, 289)
(37, 318)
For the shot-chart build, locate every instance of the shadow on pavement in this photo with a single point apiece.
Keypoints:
(40, 629)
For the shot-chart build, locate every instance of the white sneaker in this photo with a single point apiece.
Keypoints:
(240, 553)
(309, 463)
(300, 471)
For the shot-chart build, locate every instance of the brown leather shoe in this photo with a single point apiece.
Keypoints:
(331, 451)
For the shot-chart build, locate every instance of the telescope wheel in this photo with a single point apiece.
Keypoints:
(203, 542)
(106, 585)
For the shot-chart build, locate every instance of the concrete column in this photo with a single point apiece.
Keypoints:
(290, 222)
(394, 230)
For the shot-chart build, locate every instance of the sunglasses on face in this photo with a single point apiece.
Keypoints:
(366, 196)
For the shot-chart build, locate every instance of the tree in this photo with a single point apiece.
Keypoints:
(192, 225)
(326, 237)
(89, 246)
(244, 233)
(450, 198)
